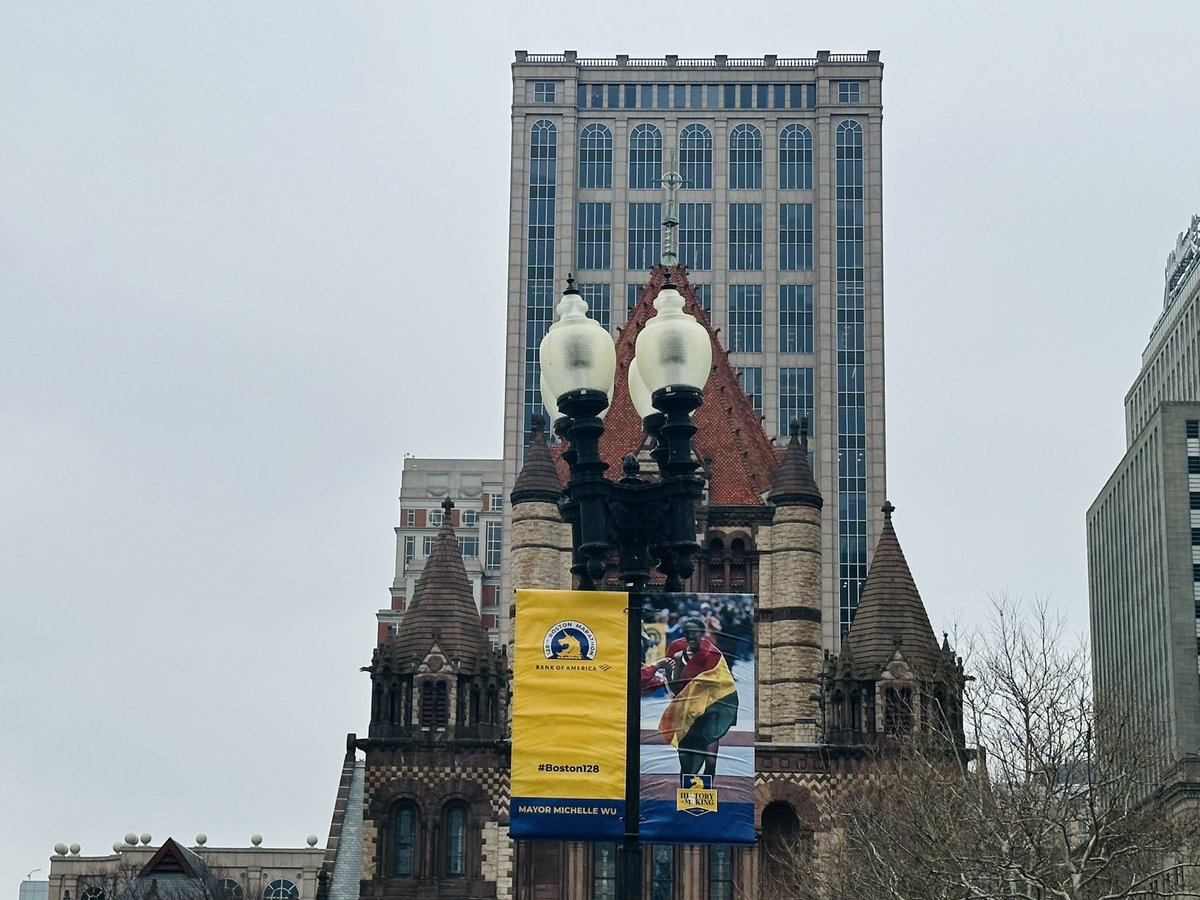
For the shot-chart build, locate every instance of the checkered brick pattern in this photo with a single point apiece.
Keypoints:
(492, 780)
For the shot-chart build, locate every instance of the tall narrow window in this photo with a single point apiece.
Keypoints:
(493, 548)
(745, 157)
(720, 872)
(795, 318)
(539, 271)
(695, 235)
(599, 300)
(745, 236)
(662, 872)
(695, 157)
(456, 841)
(645, 231)
(703, 294)
(795, 158)
(795, 236)
(604, 871)
(795, 397)
(594, 244)
(645, 157)
(595, 157)
(404, 828)
(745, 318)
(851, 361)
(751, 378)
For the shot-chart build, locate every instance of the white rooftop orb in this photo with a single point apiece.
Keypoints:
(145, 838)
(256, 839)
(60, 848)
(201, 839)
(74, 849)
(311, 840)
(131, 839)
(118, 847)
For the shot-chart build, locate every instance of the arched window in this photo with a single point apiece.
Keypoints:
(695, 157)
(595, 157)
(456, 841)
(281, 889)
(228, 889)
(404, 841)
(92, 892)
(745, 157)
(795, 158)
(645, 157)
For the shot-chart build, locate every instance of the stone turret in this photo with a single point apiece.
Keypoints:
(541, 541)
(440, 678)
(789, 629)
(892, 678)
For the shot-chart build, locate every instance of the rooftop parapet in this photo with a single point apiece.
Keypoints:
(720, 61)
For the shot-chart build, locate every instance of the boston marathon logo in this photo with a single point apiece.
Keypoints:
(696, 795)
(570, 640)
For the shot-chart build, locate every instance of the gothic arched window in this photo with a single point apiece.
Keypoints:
(456, 841)
(695, 157)
(645, 157)
(745, 157)
(595, 157)
(404, 841)
(795, 158)
(281, 889)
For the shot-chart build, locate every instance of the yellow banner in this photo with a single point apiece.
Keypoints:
(569, 671)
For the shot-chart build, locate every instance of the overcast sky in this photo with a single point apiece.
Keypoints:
(251, 254)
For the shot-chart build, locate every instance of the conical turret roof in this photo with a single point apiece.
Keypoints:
(443, 609)
(890, 613)
(538, 481)
(794, 484)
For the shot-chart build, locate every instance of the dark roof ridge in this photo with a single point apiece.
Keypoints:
(794, 484)
(538, 481)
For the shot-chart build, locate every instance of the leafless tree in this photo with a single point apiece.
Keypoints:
(1043, 811)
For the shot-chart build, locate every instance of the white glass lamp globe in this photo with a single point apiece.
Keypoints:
(638, 392)
(577, 353)
(673, 349)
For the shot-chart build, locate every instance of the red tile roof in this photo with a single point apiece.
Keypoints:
(739, 457)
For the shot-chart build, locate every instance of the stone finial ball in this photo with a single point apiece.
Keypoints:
(256, 839)
(131, 839)
(201, 839)
(311, 840)
(145, 838)
(60, 848)
(74, 849)
(118, 847)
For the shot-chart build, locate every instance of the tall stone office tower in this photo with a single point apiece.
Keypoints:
(780, 229)
(1143, 534)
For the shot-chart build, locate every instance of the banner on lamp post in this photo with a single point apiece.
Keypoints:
(697, 718)
(568, 744)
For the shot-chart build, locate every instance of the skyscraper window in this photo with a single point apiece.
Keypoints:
(795, 319)
(745, 236)
(695, 157)
(594, 245)
(695, 235)
(745, 157)
(645, 157)
(795, 397)
(599, 300)
(795, 236)
(751, 378)
(745, 318)
(595, 157)
(539, 270)
(645, 232)
(795, 158)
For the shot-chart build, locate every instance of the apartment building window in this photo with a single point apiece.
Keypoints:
(795, 158)
(795, 318)
(599, 300)
(594, 233)
(745, 158)
(410, 518)
(795, 397)
(435, 517)
(645, 231)
(427, 544)
(695, 157)
(469, 547)
(496, 502)
(410, 547)
(751, 378)
(493, 547)
(544, 91)
(645, 157)
(469, 518)
(745, 236)
(849, 91)
(595, 157)
(745, 318)
(795, 236)
(695, 235)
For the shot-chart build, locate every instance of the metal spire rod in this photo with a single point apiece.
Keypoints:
(672, 181)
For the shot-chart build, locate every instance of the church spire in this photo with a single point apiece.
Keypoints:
(794, 484)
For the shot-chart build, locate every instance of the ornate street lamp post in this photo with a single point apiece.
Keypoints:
(650, 523)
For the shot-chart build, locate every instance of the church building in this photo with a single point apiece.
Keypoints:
(423, 804)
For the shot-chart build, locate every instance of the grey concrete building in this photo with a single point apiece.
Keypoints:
(474, 485)
(1143, 534)
(780, 229)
